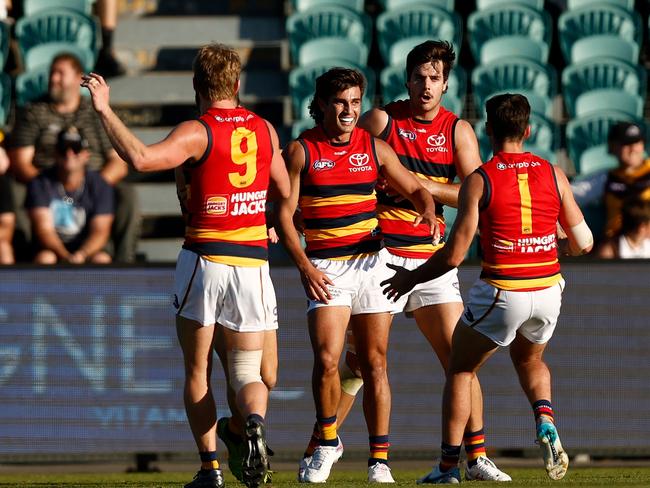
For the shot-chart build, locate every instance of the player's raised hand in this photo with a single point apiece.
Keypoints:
(316, 284)
(99, 90)
(399, 284)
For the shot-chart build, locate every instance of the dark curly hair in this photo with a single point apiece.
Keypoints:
(332, 82)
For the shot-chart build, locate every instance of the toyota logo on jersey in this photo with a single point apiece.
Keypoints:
(437, 143)
(359, 159)
(359, 162)
(436, 140)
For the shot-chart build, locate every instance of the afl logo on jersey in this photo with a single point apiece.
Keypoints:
(359, 162)
(323, 164)
(407, 134)
(437, 143)
(216, 206)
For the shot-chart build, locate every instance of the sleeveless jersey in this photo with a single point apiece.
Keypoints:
(518, 222)
(426, 149)
(337, 195)
(227, 189)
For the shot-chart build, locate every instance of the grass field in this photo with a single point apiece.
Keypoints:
(523, 477)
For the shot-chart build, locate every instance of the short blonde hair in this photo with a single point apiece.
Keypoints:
(216, 70)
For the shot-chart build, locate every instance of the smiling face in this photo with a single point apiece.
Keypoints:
(341, 113)
(426, 86)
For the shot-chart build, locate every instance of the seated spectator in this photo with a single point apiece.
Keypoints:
(31, 147)
(70, 207)
(632, 177)
(634, 239)
(7, 212)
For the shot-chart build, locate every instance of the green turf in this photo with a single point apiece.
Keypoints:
(528, 478)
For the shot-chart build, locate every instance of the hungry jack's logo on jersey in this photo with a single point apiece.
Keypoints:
(217, 205)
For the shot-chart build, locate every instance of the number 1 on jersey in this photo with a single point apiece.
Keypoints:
(526, 204)
(243, 150)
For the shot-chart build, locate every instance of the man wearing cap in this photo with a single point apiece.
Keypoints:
(632, 177)
(70, 207)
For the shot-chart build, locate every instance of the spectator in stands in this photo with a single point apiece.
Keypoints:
(107, 64)
(634, 238)
(70, 206)
(33, 140)
(632, 177)
(7, 210)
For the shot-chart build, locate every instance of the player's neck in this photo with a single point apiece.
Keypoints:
(512, 147)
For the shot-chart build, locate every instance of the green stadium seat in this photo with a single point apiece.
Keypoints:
(332, 47)
(417, 21)
(609, 99)
(515, 75)
(601, 73)
(299, 126)
(485, 4)
(398, 51)
(393, 79)
(5, 97)
(594, 20)
(626, 4)
(604, 46)
(596, 159)
(31, 7)
(514, 30)
(513, 46)
(448, 5)
(327, 21)
(43, 54)
(302, 79)
(589, 131)
(31, 85)
(302, 5)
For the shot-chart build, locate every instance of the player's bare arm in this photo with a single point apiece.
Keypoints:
(314, 281)
(279, 186)
(580, 238)
(466, 159)
(453, 253)
(188, 140)
(407, 185)
(374, 121)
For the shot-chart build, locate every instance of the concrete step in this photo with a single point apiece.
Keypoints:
(170, 43)
(175, 88)
(159, 250)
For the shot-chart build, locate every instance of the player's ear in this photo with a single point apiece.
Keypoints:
(527, 132)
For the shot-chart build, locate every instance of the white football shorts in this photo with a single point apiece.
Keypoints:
(444, 289)
(500, 314)
(356, 283)
(240, 298)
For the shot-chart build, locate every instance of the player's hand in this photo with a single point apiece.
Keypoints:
(399, 284)
(99, 91)
(273, 235)
(316, 284)
(430, 219)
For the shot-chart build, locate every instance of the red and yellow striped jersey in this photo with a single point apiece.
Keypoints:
(426, 149)
(227, 189)
(518, 222)
(337, 195)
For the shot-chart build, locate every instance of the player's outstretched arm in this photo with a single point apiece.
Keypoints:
(314, 281)
(453, 253)
(581, 240)
(188, 140)
(408, 186)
